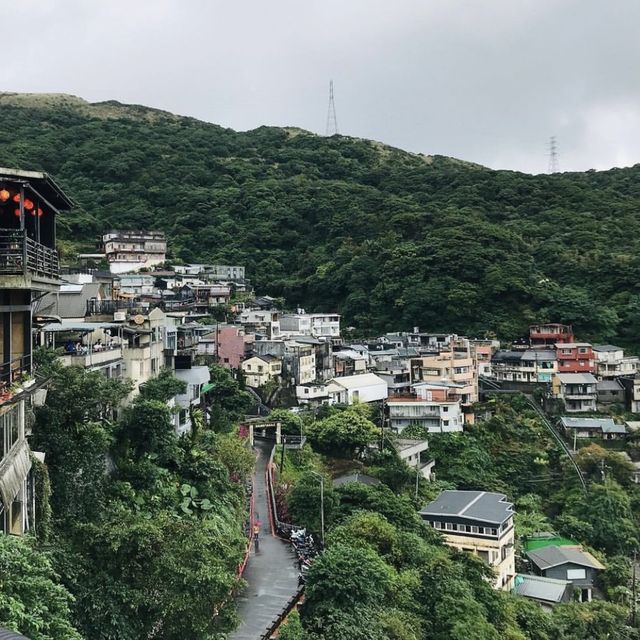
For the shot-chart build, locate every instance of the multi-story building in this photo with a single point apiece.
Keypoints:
(263, 322)
(611, 362)
(577, 390)
(348, 362)
(228, 345)
(575, 357)
(133, 250)
(434, 406)
(550, 334)
(478, 522)
(259, 370)
(397, 375)
(212, 271)
(311, 324)
(133, 284)
(530, 366)
(455, 365)
(366, 387)
(145, 344)
(29, 204)
(411, 451)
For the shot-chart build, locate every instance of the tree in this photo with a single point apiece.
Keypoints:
(344, 578)
(303, 502)
(228, 401)
(593, 458)
(291, 424)
(343, 434)
(163, 387)
(31, 599)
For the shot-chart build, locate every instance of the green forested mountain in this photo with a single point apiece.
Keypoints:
(390, 239)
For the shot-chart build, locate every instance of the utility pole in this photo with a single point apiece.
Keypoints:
(633, 591)
(332, 120)
(284, 439)
(315, 473)
(554, 165)
(417, 475)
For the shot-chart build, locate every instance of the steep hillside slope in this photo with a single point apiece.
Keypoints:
(390, 239)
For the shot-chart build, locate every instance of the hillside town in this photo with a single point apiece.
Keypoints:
(128, 312)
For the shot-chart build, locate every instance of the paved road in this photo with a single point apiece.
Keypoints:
(271, 573)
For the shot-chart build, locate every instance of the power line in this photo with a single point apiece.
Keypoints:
(332, 120)
(554, 165)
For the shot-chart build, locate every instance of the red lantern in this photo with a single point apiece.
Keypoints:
(40, 212)
(16, 198)
(16, 213)
(28, 205)
(4, 195)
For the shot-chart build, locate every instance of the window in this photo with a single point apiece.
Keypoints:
(582, 350)
(226, 360)
(445, 409)
(576, 574)
(448, 526)
(494, 532)
(474, 529)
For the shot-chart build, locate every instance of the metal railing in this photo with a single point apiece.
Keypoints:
(20, 255)
(12, 370)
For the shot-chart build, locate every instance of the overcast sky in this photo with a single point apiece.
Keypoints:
(483, 80)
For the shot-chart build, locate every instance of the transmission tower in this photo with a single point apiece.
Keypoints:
(554, 166)
(332, 120)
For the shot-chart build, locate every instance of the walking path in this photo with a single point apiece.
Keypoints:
(271, 573)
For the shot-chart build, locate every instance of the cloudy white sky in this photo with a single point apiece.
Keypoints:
(483, 80)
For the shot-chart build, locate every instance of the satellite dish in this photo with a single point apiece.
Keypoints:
(138, 319)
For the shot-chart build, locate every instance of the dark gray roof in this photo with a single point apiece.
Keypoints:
(539, 354)
(606, 347)
(356, 477)
(554, 556)
(5, 634)
(504, 356)
(606, 425)
(609, 385)
(540, 588)
(472, 505)
(69, 304)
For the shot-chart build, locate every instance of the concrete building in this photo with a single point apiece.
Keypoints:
(313, 394)
(228, 345)
(195, 377)
(550, 334)
(29, 205)
(414, 453)
(132, 285)
(611, 362)
(435, 407)
(478, 522)
(367, 387)
(575, 357)
(144, 353)
(259, 370)
(263, 322)
(133, 250)
(311, 324)
(577, 390)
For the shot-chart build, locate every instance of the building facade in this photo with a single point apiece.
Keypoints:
(133, 250)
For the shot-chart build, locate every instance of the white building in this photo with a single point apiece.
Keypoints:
(367, 387)
(311, 324)
(312, 394)
(134, 284)
(611, 362)
(577, 390)
(133, 250)
(195, 378)
(410, 451)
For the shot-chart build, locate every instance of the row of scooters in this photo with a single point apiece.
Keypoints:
(306, 550)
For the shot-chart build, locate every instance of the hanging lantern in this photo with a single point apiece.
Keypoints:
(28, 204)
(16, 213)
(4, 195)
(40, 212)
(16, 198)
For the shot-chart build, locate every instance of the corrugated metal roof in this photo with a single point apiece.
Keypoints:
(540, 588)
(553, 556)
(13, 471)
(6, 634)
(577, 378)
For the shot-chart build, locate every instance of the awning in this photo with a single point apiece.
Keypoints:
(208, 387)
(13, 472)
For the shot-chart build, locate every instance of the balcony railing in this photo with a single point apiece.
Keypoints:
(20, 255)
(13, 370)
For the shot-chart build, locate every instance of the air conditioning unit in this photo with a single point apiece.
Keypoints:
(119, 316)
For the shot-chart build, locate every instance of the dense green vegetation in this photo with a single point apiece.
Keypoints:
(386, 575)
(145, 531)
(390, 239)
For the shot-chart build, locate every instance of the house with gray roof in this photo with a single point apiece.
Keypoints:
(567, 563)
(547, 592)
(479, 522)
(604, 428)
(577, 390)
(610, 392)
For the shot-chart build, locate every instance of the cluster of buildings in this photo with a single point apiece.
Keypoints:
(556, 570)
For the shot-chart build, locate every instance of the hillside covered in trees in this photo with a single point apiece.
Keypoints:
(390, 239)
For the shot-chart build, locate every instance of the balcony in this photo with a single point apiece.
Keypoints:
(92, 359)
(22, 256)
(14, 370)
